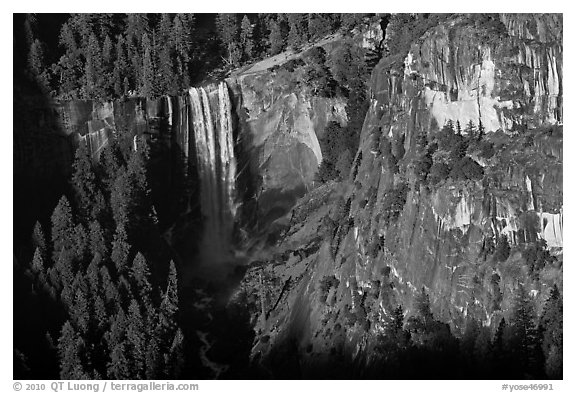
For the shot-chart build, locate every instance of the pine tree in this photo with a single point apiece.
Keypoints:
(110, 163)
(100, 317)
(140, 275)
(166, 77)
(125, 291)
(458, 128)
(349, 21)
(276, 39)
(228, 29)
(148, 74)
(182, 37)
(227, 26)
(483, 351)
(37, 268)
(80, 242)
(398, 318)
(136, 168)
(165, 30)
(481, 131)
(69, 63)
(349, 70)
(468, 342)
(152, 359)
(119, 367)
(298, 35)
(120, 67)
(30, 26)
(121, 198)
(126, 86)
(68, 352)
(246, 38)
(317, 75)
(116, 334)
(93, 276)
(136, 340)
(524, 340)
(80, 311)
(97, 241)
(107, 48)
(136, 26)
(120, 250)
(39, 240)
(37, 66)
(551, 324)
(37, 262)
(84, 183)
(470, 129)
(108, 288)
(169, 305)
(62, 226)
(175, 359)
(93, 70)
(234, 54)
(108, 66)
(394, 329)
(422, 303)
(319, 25)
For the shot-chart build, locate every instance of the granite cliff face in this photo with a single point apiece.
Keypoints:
(278, 132)
(355, 250)
(507, 73)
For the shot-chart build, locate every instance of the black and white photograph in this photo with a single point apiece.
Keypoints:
(287, 196)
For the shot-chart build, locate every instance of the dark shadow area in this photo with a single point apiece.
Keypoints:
(43, 156)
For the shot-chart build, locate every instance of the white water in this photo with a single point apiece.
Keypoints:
(216, 368)
(169, 101)
(216, 164)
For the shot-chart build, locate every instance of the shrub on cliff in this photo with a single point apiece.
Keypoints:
(537, 256)
(326, 283)
(293, 64)
(317, 75)
(502, 251)
(467, 169)
(394, 202)
(485, 148)
(320, 25)
(348, 66)
(337, 144)
(326, 172)
(404, 29)
(489, 28)
(438, 172)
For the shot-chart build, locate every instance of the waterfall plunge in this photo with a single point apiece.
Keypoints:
(214, 145)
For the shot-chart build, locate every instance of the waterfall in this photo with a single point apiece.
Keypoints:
(227, 158)
(211, 123)
(169, 102)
